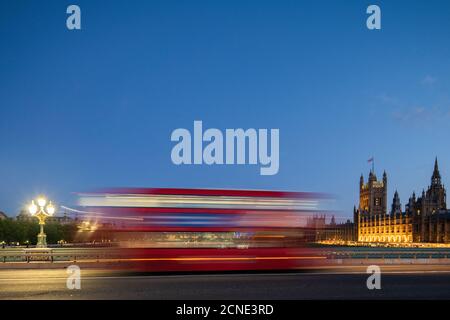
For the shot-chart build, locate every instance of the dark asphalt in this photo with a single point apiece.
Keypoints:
(338, 284)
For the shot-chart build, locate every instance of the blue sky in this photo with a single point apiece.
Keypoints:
(96, 107)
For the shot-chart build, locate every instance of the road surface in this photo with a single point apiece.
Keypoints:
(397, 282)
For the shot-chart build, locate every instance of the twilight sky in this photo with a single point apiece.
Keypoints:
(96, 107)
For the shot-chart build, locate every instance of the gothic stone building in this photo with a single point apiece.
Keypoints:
(322, 231)
(425, 219)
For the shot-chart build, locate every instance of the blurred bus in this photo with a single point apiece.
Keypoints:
(204, 229)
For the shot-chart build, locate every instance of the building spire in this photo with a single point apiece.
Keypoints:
(396, 205)
(436, 177)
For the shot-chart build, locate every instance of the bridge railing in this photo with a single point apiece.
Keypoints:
(387, 254)
(102, 254)
(58, 255)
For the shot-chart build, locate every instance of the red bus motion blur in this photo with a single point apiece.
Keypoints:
(204, 229)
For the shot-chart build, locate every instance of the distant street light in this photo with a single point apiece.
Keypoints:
(41, 211)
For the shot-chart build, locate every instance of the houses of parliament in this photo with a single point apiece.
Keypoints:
(425, 218)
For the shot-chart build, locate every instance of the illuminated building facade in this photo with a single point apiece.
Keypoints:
(332, 231)
(425, 219)
(431, 218)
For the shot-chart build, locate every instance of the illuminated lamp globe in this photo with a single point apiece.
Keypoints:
(33, 208)
(50, 208)
(41, 202)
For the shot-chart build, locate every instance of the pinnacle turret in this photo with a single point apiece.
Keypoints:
(436, 177)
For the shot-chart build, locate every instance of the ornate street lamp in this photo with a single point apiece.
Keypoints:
(41, 211)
